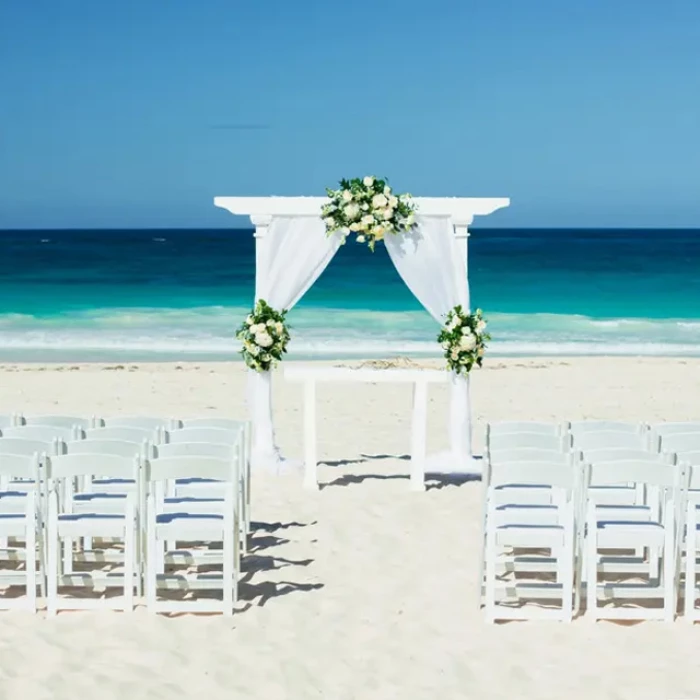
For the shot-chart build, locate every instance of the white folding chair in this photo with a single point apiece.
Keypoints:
(657, 533)
(165, 527)
(692, 541)
(144, 422)
(512, 526)
(21, 520)
(662, 429)
(8, 420)
(63, 524)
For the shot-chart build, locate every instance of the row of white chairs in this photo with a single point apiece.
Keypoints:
(181, 485)
(577, 502)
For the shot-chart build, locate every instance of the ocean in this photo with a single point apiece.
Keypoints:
(139, 295)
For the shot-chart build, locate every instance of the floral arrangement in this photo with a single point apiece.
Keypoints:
(369, 208)
(265, 337)
(463, 338)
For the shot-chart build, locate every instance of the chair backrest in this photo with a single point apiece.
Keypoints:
(671, 428)
(57, 421)
(223, 423)
(632, 471)
(40, 433)
(505, 427)
(541, 441)
(122, 434)
(623, 454)
(597, 426)
(691, 458)
(87, 464)
(6, 421)
(20, 466)
(530, 454)
(119, 448)
(191, 466)
(149, 422)
(217, 436)
(604, 439)
(533, 474)
(200, 449)
(680, 442)
(20, 446)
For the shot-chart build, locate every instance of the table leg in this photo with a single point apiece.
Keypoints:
(419, 428)
(310, 466)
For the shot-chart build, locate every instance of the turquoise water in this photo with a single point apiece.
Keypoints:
(140, 295)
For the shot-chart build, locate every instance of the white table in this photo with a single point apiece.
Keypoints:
(310, 375)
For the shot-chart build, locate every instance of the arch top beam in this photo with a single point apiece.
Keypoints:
(461, 210)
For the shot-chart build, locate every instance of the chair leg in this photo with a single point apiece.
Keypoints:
(68, 555)
(690, 582)
(152, 569)
(30, 564)
(592, 572)
(669, 579)
(52, 571)
(490, 582)
(129, 557)
(228, 569)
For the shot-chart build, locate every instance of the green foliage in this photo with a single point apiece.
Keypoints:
(264, 335)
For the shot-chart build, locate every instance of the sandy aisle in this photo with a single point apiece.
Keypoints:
(364, 590)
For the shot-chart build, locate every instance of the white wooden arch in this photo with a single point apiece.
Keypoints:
(460, 211)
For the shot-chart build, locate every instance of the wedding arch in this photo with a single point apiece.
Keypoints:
(292, 250)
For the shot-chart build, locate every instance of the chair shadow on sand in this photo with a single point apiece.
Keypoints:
(433, 480)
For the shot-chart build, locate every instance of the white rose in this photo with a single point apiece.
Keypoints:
(360, 239)
(347, 196)
(368, 181)
(263, 339)
(446, 345)
(410, 219)
(388, 213)
(387, 191)
(468, 342)
(480, 351)
(249, 321)
(352, 211)
(365, 207)
(393, 202)
(379, 201)
(481, 326)
(367, 220)
(279, 327)
(453, 324)
(355, 226)
(271, 324)
(329, 221)
(253, 349)
(454, 354)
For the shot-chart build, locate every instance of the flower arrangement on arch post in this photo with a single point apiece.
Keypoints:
(464, 338)
(265, 336)
(369, 208)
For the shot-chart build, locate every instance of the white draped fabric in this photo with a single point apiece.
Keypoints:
(432, 266)
(290, 258)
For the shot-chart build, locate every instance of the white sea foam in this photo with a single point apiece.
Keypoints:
(209, 333)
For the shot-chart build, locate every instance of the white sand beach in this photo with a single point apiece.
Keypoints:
(363, 590)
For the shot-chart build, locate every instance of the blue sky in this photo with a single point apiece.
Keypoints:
(119, 114)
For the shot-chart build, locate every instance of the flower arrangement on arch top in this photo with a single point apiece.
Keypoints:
(369, 208)
(464, 338)
(265, 336)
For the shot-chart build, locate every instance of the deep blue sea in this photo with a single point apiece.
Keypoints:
(161, 294)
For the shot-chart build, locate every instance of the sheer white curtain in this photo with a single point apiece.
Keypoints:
(292, 255)
(430, 263)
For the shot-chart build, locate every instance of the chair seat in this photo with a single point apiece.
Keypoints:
(193, 505)
(91, 524)
(189, 526)
(613, 534)
(624, 513)
(527, 514)
(13, 524)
